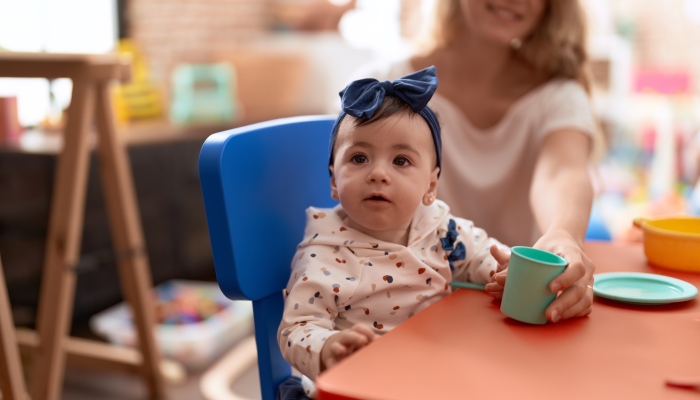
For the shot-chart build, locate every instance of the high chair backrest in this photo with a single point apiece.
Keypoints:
(257, 181)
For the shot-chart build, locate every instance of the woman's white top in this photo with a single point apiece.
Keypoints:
(487, 173)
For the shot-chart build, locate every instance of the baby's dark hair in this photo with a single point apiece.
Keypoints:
(390, 106)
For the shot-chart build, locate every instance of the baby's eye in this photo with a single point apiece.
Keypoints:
(401, 161)
(359, 159)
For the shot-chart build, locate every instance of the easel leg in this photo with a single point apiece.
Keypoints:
(63, 246)
(127, 237)
(11, 377)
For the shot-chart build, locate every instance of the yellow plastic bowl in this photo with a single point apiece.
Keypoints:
(672, 243)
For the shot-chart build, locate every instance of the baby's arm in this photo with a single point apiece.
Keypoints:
(307, 322)
(306, 335)
(470, 255)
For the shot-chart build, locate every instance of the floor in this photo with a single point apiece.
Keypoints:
(107, 385)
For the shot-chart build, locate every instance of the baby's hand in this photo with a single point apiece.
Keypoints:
(495, 288)
(345, 343)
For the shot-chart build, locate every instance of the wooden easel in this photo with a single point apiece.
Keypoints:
(91, 76)
(11, 379)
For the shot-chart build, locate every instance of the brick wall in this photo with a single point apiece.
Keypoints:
(169, 32)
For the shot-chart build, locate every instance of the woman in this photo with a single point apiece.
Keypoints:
(517, 126)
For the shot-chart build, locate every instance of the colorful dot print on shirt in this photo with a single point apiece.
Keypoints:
(341, 277)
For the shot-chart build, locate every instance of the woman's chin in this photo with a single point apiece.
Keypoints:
(500, 38)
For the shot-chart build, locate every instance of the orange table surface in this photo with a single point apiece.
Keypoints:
(464, 347)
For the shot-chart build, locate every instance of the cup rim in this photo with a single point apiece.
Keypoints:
(562, 263)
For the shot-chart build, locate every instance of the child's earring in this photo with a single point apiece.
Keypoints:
(516, 43)
(428, 199)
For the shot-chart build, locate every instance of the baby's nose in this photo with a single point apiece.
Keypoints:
(379, 174)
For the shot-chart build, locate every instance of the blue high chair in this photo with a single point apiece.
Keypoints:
(257, 181)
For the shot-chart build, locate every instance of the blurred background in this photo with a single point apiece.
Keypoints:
(204, 66)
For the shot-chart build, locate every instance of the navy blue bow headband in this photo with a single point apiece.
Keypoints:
(362, 98)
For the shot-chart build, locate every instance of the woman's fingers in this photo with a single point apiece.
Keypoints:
(573, 301)
(584, 312)
(572, 274)
(584, 303)
(575, 281)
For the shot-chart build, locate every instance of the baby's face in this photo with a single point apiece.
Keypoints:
(383, 171)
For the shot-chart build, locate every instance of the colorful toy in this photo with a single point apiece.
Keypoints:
(141, 98)
(196, 323)
(202, 93)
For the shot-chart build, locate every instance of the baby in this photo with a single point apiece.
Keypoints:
(389, 249)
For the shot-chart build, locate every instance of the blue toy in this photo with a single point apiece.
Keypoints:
(597, 229)
(257, 181)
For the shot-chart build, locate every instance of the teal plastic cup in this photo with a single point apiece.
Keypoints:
(526, 295)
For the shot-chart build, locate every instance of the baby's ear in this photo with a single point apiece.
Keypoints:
(334, 187)
(431, 194)
(434, 176)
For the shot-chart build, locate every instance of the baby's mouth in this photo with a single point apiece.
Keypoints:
(377, 198)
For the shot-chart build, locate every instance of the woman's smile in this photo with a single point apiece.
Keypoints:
(504, 13)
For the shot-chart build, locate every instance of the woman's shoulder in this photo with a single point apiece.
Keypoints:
(563, 103)
(555, 97)
(562, 89)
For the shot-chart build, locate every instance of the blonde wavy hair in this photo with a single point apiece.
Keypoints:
(556, 47)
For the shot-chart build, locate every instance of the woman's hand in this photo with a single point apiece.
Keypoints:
(344, 343)
(576, 300)
(495, 288)
(561, 196)
(576, 281)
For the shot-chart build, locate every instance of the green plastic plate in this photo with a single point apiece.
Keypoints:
(641, 288)
(467, 285)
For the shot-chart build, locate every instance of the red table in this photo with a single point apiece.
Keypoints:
(464, 347)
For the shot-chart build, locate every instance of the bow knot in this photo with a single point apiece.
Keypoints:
(362, 98)
(388, 87)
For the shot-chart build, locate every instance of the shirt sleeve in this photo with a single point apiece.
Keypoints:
(308, 318)
(470, 256)
(567, 105)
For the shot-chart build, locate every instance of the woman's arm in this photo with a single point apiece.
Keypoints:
(561, 196)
